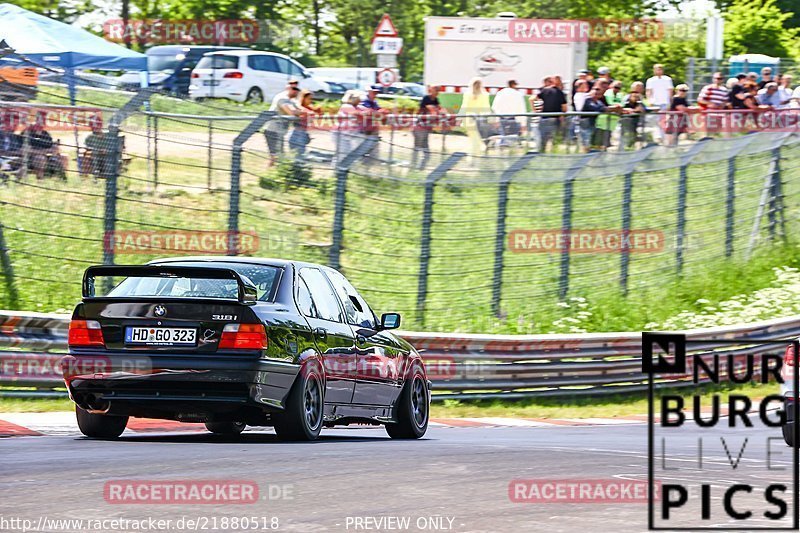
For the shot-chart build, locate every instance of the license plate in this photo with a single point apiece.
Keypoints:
(210, 83)
(161, 336)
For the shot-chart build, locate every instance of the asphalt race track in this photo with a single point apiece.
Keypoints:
(455, 479)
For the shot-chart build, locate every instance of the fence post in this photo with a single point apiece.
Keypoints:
(683, 181)
(427, 220)
(8, 272)
(690, 77)
(625, 259)
(730, 206)
(342, 170)
(636, 158)
(236, 177)
(566, 219)
(210, 143)
(111, 174)
(775, 211)
(500, 235)
(155, 152)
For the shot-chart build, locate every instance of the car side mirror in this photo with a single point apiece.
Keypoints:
(390, 320)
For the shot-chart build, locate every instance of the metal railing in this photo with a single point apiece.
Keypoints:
(460, 366)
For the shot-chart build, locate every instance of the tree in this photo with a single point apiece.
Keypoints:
(759, 26)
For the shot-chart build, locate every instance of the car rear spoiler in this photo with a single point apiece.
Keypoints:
(247, 293)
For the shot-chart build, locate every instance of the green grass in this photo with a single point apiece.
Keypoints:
(583, 407)
(35, 405)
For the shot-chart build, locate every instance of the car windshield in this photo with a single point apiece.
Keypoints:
(161, 63)
(262, 276)
(218, 62)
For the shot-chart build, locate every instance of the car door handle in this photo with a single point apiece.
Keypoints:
(320, 332)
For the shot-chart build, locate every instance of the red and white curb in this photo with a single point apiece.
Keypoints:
(63, 423)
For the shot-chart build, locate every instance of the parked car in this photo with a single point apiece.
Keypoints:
(409, 90)
(238, 341)
(248, 76)
(170, 67)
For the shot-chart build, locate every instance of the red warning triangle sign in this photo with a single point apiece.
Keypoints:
(385, 27)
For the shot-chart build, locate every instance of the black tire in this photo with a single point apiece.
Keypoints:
(302, 418)
(226, 427)
(788, 434)
(413, 408)
(100, 426)
(255, 96)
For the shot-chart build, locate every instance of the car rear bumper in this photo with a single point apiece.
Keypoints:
(168, 385)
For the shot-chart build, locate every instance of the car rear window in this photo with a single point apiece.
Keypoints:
(264, 277)
(218, 62)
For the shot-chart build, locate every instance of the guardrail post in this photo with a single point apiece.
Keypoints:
(8, 272)
(730, 206)
(425, 240)
(683, 182)
(236, 176)
(566, 220)
(342, 171)
(500, 235)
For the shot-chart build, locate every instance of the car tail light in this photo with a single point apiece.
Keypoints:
(195, 75)
(789, 357)
(85, 333)
(235, 75)
(243, 337)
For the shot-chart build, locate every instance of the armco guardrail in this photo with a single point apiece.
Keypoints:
(461, 366)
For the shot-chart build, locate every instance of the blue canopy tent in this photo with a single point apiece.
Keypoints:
(55, 44)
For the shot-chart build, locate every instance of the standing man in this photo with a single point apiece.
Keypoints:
(553, 101)
(584, 76)
(372, 113)
(509, 101)
(429, 111)
(659, 90)
(285, 105)
(715, 94)
(293, 82)
(766, 77)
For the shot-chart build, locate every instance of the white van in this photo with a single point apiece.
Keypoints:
(248, 76)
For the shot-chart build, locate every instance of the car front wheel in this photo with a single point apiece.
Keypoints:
(302, 416)
(99, 426)
(412, 408)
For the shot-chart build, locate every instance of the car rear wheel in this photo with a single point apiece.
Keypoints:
(412, 408)
(788, 434)
(302, 417)
(99, 426)
(255, 96)
(225, 427)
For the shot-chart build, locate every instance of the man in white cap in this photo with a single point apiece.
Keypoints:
(605, 73)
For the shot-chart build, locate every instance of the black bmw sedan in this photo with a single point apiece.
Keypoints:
(233, 342)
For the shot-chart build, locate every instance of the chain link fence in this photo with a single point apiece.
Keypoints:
(461, 234)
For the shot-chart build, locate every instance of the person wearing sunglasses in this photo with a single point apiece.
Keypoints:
(714, 95)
